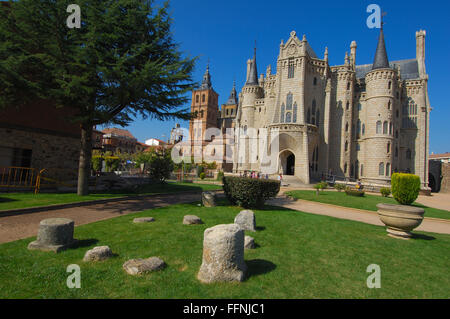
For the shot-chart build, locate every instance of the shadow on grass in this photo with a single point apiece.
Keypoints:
(80, 243)
(258, 267)
(6, 200)
(260, 228)
(422, 236)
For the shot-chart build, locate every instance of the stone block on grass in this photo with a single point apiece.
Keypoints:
(54, 234)
(223, 254)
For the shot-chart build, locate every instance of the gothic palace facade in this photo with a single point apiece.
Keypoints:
(354, 121)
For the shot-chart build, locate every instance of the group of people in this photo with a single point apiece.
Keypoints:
(254, 174)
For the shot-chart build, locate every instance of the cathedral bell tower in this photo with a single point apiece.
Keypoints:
(205, 108)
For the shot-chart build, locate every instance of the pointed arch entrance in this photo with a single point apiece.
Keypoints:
(287, 162)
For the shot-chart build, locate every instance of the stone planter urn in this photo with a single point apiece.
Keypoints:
(400, 220)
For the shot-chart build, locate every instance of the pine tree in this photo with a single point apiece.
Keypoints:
(120, 64)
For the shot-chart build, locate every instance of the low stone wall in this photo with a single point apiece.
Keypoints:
(445, 182)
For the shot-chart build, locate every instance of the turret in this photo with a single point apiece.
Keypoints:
(380, 92)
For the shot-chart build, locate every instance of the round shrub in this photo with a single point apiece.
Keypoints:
(385, 191)
(202, 175)
(405, 187)
(339, 187)
(249, 192)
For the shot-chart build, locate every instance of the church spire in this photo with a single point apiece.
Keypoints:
(206, 82)
(232, 100)
(381, 59)
(253, 72)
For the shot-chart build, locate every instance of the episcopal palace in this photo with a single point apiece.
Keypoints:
(352, 121)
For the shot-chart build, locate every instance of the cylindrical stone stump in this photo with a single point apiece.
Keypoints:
(223, 254)
(55, 234)
(209, 199)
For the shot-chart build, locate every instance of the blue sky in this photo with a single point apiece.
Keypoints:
(225, 32)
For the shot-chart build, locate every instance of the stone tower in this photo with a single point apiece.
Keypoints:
(206, 109)
(381, 85)
(246, 115)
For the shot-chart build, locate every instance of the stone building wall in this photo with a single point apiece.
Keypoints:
(445, 182)
(58, 153)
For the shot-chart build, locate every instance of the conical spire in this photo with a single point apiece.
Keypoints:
(253, 73)
(232, 100)
(381, 59)
(206, 82)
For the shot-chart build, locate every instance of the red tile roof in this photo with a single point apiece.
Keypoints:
(118, 131)
(444, 155)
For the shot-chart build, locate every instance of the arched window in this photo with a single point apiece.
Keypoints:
(348, 86)
(308, 116)
(363, 129)
(347, 105)
(385, 127)
(294, 115)
(288, 117)
(201, 113)
(345, 168)
(389, 105)
(381, 169)
(388, 148)
(378, 127)
(315, 81)
(197, 98)
(389, 85)
(388, 169)
(346, 127)
(282, 113)
(390, 128)
(289, 102)
(346, 146)
(291, 68)
(203, 97)
(358, 127)
(408, 154)
(318, 118)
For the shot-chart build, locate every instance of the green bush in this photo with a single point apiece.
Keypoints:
(112, 163)
(321, 185)
(385, 191)
(97, 163)
(354, 192)
(405, 187)
(202, 175)
(339, 187)
(220, 175)
(249, 192)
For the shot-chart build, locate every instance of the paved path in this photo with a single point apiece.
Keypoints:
(360, 215)
(26, 225)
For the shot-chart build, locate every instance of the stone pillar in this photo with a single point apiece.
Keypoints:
(55, 234)
(223, 254)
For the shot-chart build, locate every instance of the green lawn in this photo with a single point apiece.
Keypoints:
(368, 202)
(299, 256)
(24, 200)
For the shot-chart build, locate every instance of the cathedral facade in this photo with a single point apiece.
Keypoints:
(351, 121)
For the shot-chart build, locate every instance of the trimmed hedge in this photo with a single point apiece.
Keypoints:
(249, 192)
(405, 187)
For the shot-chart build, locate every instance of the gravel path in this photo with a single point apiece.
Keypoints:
(360, 215)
